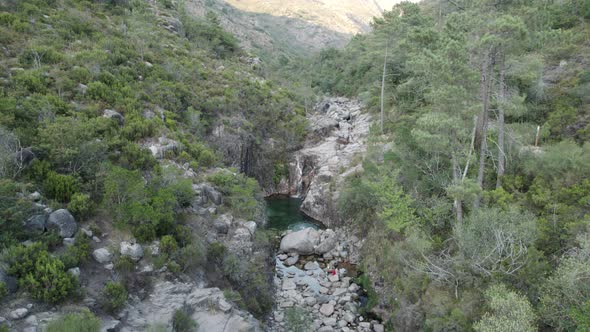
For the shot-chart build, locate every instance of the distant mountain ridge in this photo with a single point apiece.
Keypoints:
(293, 27)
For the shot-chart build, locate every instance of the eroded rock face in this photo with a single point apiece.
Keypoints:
(208, 305)
(63, 221)
(338, 131)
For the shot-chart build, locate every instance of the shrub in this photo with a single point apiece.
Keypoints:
(216, 253)
(114, 296)
(182, 321)
(168, 244)
(509, 311)
(78, 253)
(60, 187)
(3, 290)
(145, 232)
(84, 321)
(191, 256)
(48, 281)
(80, 205)
(124, 265)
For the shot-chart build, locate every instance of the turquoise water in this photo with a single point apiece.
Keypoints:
(283, 214)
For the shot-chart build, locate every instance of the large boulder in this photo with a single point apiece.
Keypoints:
(131, 249)
(328, 241)
(37, 223)
(302, 242)
(102, 255)
(62, 221)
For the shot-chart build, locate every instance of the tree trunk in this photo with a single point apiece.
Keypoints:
(501, 151)
(383, 86)
(485, 87)
(457, 179)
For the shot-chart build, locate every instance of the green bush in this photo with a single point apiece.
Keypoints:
(80, 205)
(114, 296)
(3, 290)
(216, 253)
(183, 322)
(125, 265)
(48, 281)
(168, 244)
(191, 256)
(78, 253)
(60, 187)
(84, 321)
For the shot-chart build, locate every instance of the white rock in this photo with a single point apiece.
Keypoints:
(378, 328)
(311, 266)
(18, 313)
(102, 255)
(75, 271)
(327, 309)
(69, 241)
(133, 250)
(288, 284)
(333, 277)
(86, 232)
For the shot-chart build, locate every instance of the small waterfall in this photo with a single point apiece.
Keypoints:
(297, 177)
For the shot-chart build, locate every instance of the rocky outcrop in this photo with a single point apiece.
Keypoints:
(102, 255)
(338, 130)
(163, 146)
(62, 221)
(207, 306)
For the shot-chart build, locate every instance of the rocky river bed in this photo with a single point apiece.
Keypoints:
(314, 281)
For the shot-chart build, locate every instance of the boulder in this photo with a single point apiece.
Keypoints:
(131, 249)
(110, 114)
(327, 243)
(63, 221)
(291, 260)
(251, 226)
(102, 255)
(24, 156)
(37, 223)
(327, 309)
(75, 271)
(223, 223)
(288, 284)
(310, 266)
(302, 242)
(18, 313)
(35, 196)
(213, 195)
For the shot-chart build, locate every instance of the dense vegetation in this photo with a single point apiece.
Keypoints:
(471, 223)
(476, 216)
(86, 88)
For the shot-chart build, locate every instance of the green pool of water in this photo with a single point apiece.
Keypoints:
(283, 214)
